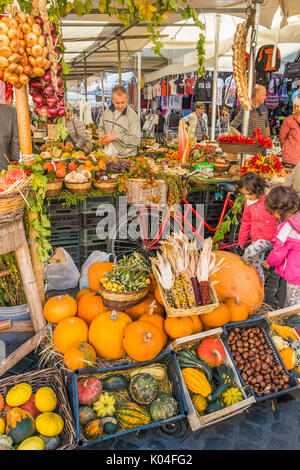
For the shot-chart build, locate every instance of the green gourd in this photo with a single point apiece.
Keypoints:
(51, 443)
(143, 388)
(223, 377)
(131, 415)
(214, 406)
(114, 383)
(164, 406)
(187, 358)
(86, 414)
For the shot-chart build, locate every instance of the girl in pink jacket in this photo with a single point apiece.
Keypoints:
(284, 204)
(257, 224)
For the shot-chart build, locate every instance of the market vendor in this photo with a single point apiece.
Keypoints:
(258, 114)
(199, 121)
(9, 134)
(290, 135)
(78, 134)
(120, 128)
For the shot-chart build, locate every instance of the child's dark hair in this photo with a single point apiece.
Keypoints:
(253, 183)
(284, 200)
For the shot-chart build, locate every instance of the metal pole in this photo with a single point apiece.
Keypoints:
(139, 55)
(215, 81)
(102, 89)
(85, 78)
(119, 60)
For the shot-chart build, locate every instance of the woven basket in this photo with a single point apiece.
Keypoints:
(52, 378)
(54, 187)
(107, 187)
(79, 188)
(122, 300)
(220, 167)
(12, 204)
(137, 195)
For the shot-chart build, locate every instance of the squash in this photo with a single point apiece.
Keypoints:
(196, 381)
(115, 382)
(288, 355)
(45, 399)
(156, 320)
(143, 388)
(88, 390)
(218, 317)
(279, 342)
(153, 284)
(49, 424)
(105, 405)
(131, 415)
(164, 406)
(199, 402)
(30, 406)
(90, 306)
(284, 331)
(97, 272)
(142, 341)
(211, 351)
(238, 311)
(111, 426)
(238, 278)
(86, 414)
(157, 371)
(232, 395)
(82, 292)
(223, 376)
(59, 307)
(19, 425)
(2, 426)
(1, 402)
(187, 358)
(106, 334)
(93, 430)
(214, 406)
(148, 305)
(18, 394)
(79, 356)
(177, 327)
(6, 442)
(52, 442)
(198, 326)
(69, 331)
(32, 443)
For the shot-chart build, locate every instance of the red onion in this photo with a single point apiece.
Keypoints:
(51, 100)
(57, 53)
(54, 38)
(60, 93)
(49, 89)
(52, 111)
(59, 67)
(61, 104)
(47, 77)
(35, 83)
(61, 112)
(52, 28)
(38, 100)
(60, 82)
(33, 91)
(43, 111)
(39, 21)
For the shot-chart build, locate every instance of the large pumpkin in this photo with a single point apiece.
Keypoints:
(142, 340)
(82, 292)
(218, 317)
(59, 307)
(144, 307)
(19, 425)
(177, 327)
(156, 320)
(69, 331)
(89, 306)
(97, 272)
(238, 278)
(79, 356)
(106, 334)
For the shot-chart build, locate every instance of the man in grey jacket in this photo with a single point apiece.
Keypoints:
(9, 135)
(120, 125)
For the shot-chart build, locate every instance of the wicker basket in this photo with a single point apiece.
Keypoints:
(122, 300)
(79, 188)
(220, 167)
(107, 187)
(52, 378)
(54, 187)
(137, 195)
(12, 204)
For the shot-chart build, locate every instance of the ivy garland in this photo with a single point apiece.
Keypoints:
(229, 219)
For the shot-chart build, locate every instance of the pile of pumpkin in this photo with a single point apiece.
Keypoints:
(28, 420)
(287, 342)
(209, 380)
(111, 403)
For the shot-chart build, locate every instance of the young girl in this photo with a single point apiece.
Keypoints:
(257, 223)
(284, 204)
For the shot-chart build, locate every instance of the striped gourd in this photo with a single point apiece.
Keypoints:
(131, 415)
(196, 381)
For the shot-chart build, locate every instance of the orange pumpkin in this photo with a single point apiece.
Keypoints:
(156, 320)
(142, 341)
(238, 311)
(79, 356)
(69, 331)
(106, 334)
(59, 307)
(153, 283)
(158, 296)
(218, 317)
(89, 306)
(97, 272)
(238, 278)
(82, 292)
(177, 327)
(144, 307)
(198, 327)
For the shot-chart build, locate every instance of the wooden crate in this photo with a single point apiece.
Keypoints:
(197, 421)
(248, 149)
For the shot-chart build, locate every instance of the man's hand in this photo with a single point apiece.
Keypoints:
(110, 137)
(266, 264)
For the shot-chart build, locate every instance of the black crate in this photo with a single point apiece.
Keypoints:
(61, 223)
(87, 250)
(90, 204)
(56, 208)
(65, 238)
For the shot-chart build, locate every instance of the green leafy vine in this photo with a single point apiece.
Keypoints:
(229, 219)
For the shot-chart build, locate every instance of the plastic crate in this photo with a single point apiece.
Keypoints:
(89, 237)
(56, 208)
(264, 326)
(61, 223)
(173, 371)
(65, 238)
(87, 250)
(90, 204)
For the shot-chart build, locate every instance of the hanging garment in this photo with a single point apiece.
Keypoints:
(203, 89)
(189, 85)
(85, 111)
(272, 100)
(220, 87)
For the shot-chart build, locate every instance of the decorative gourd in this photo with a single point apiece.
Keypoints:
(177, 327)
(19, 425)
(105, 405)
(187, 358)
(115, 382)
(164, 406)
(238, 278)
(288, 356)
(211, 351)
(106, 334)
(199, 402)
(30, 406)
(45, 399)
(296, 346)
(1, 402)
(284, 331)
(5, 411)
(79, 356)
(232, 395)
(196, 381)
(49, 424)
(158, 296)
(86, 414)
(69, 331)
(280, 343)
(218, 317)
(2, 426)
(131, 415)
(93, 429)
(97, 272)
(157, 371)
(143, 388)
(111, 427)
(198, 327)
(224, 378)
(59, 307)
(88, 390)
(82, 292)
(18, 394)
(32, 443)
(149, 304)
(142, 341)
(214, 406)
(238, 310)
(90, 306)
(52, 442)
(6, 442)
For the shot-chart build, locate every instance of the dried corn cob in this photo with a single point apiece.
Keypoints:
(178, 293)
(204, 292)
(188, 287)
(163, 271)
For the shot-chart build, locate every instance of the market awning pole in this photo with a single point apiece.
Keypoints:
(139, 82)
(85, 79)
(215, 81)
(102, 90)
(119, 60)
